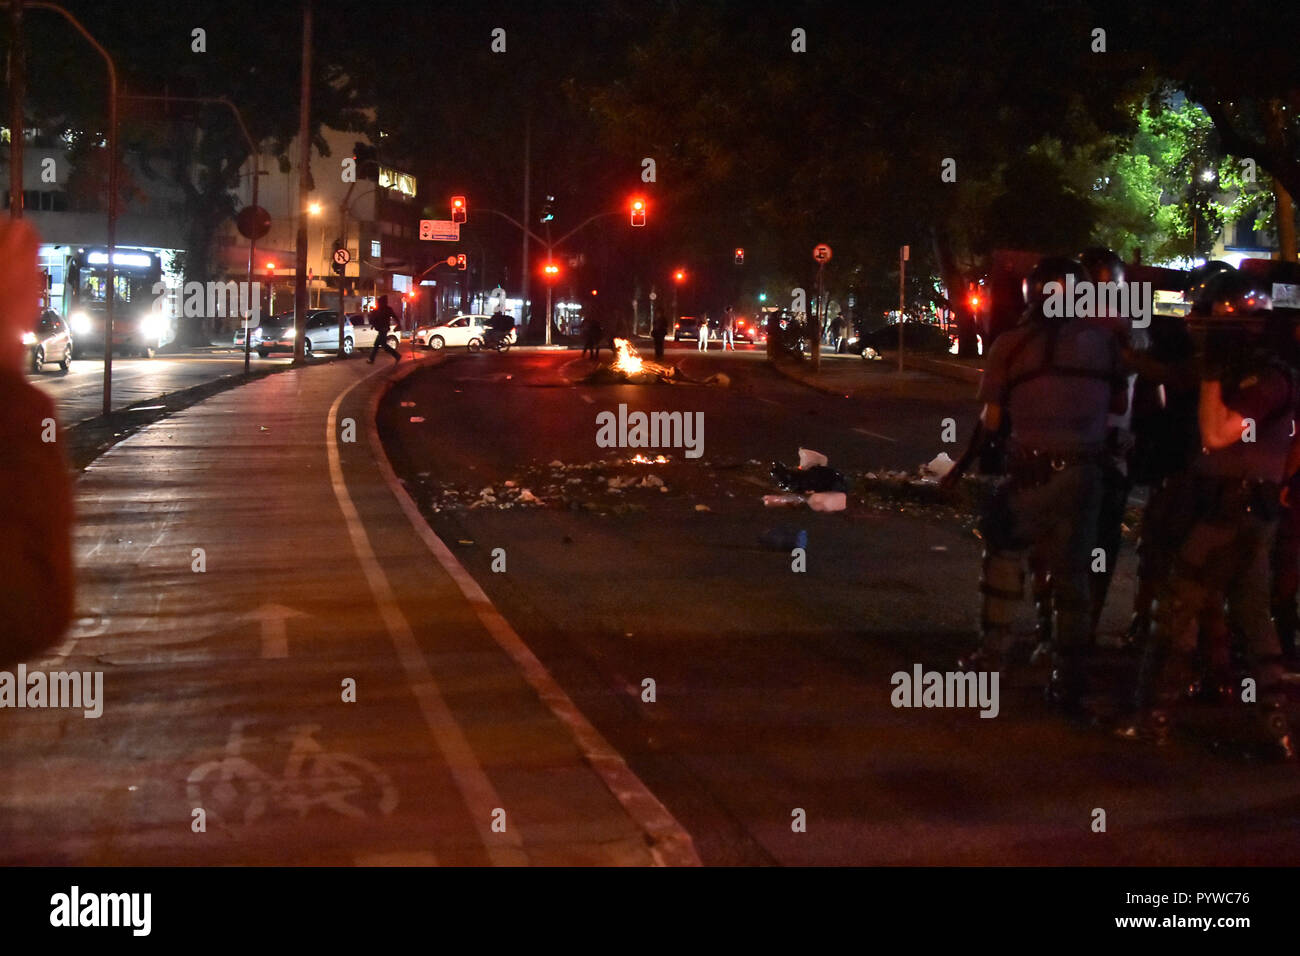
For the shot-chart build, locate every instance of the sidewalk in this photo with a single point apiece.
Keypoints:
(244, 571)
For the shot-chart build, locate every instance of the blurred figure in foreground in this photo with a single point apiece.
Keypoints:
(36, 583)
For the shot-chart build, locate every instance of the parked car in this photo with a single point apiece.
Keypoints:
(464, 330)
(687, 327)
(239, 336)
(917, 336)
(320, 335)
(49, 342)
(364, 335)
(744, 330)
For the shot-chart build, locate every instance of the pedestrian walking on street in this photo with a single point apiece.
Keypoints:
(592, 334)
(381, 320)
(659, 332)
(729, 329)
(704, 332)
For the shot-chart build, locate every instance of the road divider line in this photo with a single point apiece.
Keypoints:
(671, 845)
(863, 431)
(477, 791)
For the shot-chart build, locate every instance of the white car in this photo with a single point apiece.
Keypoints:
(464, 330)
(321, 335)
(364, 334)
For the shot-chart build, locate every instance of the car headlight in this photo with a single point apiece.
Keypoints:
(29, 338)
(80, 323)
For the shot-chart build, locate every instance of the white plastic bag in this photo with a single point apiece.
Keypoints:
(808, 458)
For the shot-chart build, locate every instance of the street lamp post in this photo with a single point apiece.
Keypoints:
(111, 143)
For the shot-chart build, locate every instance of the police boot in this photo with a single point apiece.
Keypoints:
(1042, 627)
(1138, 630)
(1066, 687)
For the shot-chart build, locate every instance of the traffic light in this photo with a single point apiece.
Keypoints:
(548, 210)
(458, 209)
(638, 212)
(461, 263)
(367, 161)
(762, 297)
(740, 256)
(974, 298)
(680, 275)
(552, 271)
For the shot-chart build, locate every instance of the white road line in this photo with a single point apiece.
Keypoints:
(768, 400)
(672, 845)
(587, 398)
(481, 798)
(863, 431)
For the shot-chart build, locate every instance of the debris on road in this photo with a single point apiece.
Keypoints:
(827, 501)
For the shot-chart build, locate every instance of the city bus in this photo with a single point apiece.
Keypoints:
(139, 326)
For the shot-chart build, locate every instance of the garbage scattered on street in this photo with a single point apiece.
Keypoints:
(938, 466)
(786, 500)
(808, 458)
(827, 501)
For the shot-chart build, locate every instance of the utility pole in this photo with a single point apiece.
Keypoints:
(524, 312)
(304, 187)
(903, 255)
(17, 70)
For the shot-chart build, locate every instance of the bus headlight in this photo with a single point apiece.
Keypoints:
(152, 326)
(29, 338)
(80, 323)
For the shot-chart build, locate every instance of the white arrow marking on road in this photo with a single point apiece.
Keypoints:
(275, 636)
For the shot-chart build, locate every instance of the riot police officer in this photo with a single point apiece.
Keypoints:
(1057, 376)
(1248, 398)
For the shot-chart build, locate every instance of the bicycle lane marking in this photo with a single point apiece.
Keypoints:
(671, 843)
(476, 790)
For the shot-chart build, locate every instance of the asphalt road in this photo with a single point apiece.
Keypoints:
(78, 394)
(772, 687)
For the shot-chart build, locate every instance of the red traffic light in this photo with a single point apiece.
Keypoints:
(740, 256)
(680, 275)
(458, 209)
(461, 262)
(638, 212)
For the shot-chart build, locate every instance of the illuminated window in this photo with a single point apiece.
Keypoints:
(376, 249)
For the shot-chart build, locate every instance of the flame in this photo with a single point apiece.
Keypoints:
(643, 460)
(628, 362)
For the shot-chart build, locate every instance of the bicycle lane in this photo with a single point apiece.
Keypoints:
(257, 705)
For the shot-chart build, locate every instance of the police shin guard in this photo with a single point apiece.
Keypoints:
(1002, 584)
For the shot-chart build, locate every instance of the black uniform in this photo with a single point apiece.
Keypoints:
(1057, 380)
(1225, 553)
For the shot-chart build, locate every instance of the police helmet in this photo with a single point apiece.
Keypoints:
(1204, 282)
(1102, 264)
(1229, 295)
(1051, 269)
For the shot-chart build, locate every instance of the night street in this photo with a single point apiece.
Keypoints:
(806, 446)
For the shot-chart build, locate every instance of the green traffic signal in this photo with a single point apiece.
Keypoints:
(762, 297)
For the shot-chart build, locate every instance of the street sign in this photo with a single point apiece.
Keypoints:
(342, 257)
(451, 260)
(653, 296)
(822, 253)
(439, 230)
(907, 253)
(253, 222)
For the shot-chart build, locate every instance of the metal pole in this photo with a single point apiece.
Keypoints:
(16, 119)
(550, 257)
(523, 270)
(816, 330)
(901, 267)
(257, 303)
(304, 187)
